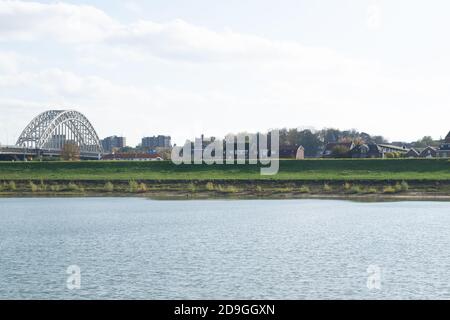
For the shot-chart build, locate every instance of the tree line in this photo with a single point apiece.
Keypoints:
(315, 140)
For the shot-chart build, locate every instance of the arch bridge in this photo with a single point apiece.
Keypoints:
(51, 130)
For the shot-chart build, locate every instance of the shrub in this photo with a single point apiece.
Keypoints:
(210, 186)
(259, 189)
(227, 189)
(355, 189)
(405, 186)
(347, 186)
(142, 187)
(12, 186)
(232, 189)
(33, 187)
(133, 186)
(372, 190)
(327, 188)
(54, 188)
(389, 189)
(74, 187)
(398, 187)
(285, 189)
(109, 187)
(3, 186)
(191, 187)
(304, 189)
(42, 186)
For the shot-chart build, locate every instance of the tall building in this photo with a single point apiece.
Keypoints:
(156, 142)
(114, 142)
(56, 141)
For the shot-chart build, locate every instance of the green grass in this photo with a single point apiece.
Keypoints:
(327, 170)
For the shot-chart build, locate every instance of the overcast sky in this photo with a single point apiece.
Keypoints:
(182, 68)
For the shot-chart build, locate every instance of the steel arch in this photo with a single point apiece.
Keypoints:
(51, 129)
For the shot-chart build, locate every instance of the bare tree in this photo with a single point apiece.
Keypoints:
(70, 152)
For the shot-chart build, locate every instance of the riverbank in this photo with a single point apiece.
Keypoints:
(344, 178)
(232, 189)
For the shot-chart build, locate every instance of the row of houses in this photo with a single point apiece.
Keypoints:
(374, 150)
(331, 150)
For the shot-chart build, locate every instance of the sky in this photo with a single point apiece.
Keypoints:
(182, 68)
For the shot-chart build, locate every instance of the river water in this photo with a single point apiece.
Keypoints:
(134, 248)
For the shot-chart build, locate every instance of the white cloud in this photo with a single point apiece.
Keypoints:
(177, 39)
(21, 20)
(112, 107)
(8, 62)
(133, 7)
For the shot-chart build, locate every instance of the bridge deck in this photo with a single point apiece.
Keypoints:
(15, 152)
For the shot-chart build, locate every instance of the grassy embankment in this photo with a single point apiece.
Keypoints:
(295, 178)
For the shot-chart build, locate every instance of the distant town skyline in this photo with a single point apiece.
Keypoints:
(143, 68)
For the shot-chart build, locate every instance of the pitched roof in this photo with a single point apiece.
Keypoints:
(447, 138)
(390, 146)
(330, 146)
(413, 151)
(428, 151)
(373, 147)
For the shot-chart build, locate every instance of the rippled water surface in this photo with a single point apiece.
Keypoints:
(130, 248)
